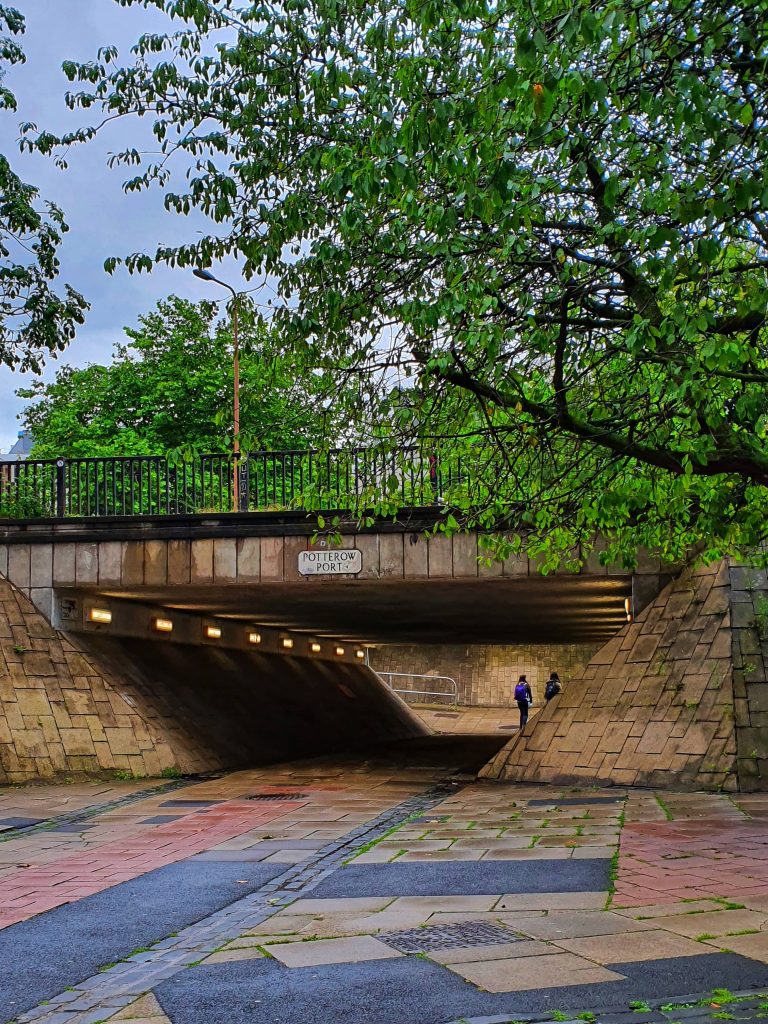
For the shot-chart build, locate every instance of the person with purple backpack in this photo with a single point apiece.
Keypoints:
(524, 699)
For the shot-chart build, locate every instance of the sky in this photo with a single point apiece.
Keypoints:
(102, 220)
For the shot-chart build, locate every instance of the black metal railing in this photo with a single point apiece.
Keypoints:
(351, 479)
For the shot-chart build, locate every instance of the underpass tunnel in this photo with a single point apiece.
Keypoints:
(237, 675)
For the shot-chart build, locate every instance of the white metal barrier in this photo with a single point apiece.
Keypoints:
(453, 691)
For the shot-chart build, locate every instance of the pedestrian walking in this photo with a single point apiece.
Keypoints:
(553, 687)
(524, 699)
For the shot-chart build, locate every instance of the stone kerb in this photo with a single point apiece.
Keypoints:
(655, 706)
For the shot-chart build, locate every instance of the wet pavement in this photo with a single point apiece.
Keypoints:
(386, 890)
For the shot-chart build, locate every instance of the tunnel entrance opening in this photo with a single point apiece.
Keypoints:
(534, 609)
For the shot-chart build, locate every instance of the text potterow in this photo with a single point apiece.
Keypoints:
(330, 563)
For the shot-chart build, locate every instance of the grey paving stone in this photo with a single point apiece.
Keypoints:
(190, 803)
(70, 943)
(159, 819)
(19, 822)
(414, 991)
(470, 878)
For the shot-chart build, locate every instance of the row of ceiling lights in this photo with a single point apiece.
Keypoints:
(164, 625)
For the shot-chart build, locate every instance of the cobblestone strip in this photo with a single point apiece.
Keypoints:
(92, 810)
(97, 998)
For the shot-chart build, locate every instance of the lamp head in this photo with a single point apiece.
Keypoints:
(204, 275)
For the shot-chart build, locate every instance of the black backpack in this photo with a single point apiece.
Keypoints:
(552, 689)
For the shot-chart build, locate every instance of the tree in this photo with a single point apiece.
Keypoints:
(169, 389)
(543, 224)
(34, 319)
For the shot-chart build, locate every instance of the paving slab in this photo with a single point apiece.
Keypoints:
(331, 951)
(577, 923)
(551, 970)
(486, 954)
(552, 901)
(633, 946)
(716, 923)
(225, 956)
(344, 905)
(665, 909)
(753, 946)
(457, 877)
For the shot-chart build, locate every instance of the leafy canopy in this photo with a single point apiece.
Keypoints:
(169, 389)
(34, 319)
(537, 228)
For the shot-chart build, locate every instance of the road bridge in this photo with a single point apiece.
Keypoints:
(97, 553)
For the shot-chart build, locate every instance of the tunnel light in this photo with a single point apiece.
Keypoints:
(213, 632)
(254, 638)
(287, 642)
(339, 651)
(360, 654)
(628, 608)
(315, 647)
(99, 615)
(162, 625)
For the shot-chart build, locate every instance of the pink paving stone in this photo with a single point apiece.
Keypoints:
(729, 859)
(73, 876)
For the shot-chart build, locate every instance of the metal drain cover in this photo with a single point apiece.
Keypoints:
(279, 796)
(448, 936)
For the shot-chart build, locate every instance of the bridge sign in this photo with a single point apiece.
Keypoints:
(330, 563)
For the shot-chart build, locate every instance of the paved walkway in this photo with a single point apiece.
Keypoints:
(386, 891)
(472, 720)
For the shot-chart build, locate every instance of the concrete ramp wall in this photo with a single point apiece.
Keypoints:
(73, 703)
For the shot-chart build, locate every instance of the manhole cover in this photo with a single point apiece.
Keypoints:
(279, 796)
(448, 936)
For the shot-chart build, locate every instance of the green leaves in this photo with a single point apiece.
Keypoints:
(533, 235)
(35, 320)
(169, 388)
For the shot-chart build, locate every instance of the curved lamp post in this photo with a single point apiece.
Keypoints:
(206, 275)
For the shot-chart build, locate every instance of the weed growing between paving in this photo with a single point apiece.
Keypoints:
(667, 813)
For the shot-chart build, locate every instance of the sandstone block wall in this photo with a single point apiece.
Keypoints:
(60, 712)
(52, 556)
(72, 703)
(654, 707)
(485, 674)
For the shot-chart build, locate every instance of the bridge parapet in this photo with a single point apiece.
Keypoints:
(352, 479)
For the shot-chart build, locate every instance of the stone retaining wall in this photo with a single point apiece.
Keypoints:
(485, 674)
(678, 698)
(90, 703)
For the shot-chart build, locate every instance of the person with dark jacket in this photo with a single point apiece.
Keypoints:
(553, 687)
(524, 699)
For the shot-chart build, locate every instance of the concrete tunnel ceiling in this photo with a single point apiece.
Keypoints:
(556, 609)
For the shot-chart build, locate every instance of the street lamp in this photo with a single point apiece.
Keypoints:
(206, 275)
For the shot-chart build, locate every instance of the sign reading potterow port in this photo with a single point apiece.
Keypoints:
(330, 563)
